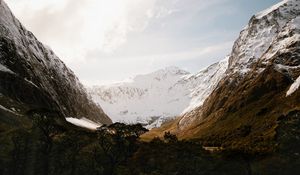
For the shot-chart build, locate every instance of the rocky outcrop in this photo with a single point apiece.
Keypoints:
(31, 74)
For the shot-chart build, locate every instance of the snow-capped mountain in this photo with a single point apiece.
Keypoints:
(32, 76)
(268, 34)
(156, 97)
(260, 88)
(265, 35)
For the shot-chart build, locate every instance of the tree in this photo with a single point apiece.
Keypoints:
(19, 153)
(44, 125)
(170, 138)
(118, 142)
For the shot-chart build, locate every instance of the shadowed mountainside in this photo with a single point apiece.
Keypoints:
(33, 75)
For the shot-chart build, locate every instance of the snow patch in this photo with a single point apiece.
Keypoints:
(296, 23)
(293, 87)
(83, 122)
(30, 82)
(5, 69)
(8, 110)
(269, 10)
(285, 67)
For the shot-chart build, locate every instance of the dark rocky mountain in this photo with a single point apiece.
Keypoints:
(260, 88)
(33, 78)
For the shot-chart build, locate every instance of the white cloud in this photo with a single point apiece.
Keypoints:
(188, 55)
(74, 27)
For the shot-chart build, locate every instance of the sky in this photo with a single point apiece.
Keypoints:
(106, 41)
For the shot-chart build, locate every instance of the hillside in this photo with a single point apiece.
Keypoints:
(259, 90)
(34, 77)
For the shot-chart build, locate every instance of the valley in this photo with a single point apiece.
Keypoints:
(240, 115)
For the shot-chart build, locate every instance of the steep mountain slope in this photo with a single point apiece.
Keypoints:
(259, 89)
(159, 96)
(33, 78)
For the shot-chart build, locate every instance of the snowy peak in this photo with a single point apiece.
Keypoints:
(282, 7)
(173, 70)
(168, 75)
(158, 96)
(261, 32)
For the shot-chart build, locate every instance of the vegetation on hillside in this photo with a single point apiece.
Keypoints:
(49, 146)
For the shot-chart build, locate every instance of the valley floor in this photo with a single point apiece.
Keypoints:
(50, 147)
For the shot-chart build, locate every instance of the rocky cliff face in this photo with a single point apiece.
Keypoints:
(32, 76)
(260, 85)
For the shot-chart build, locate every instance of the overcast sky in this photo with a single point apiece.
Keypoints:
(105, 41)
